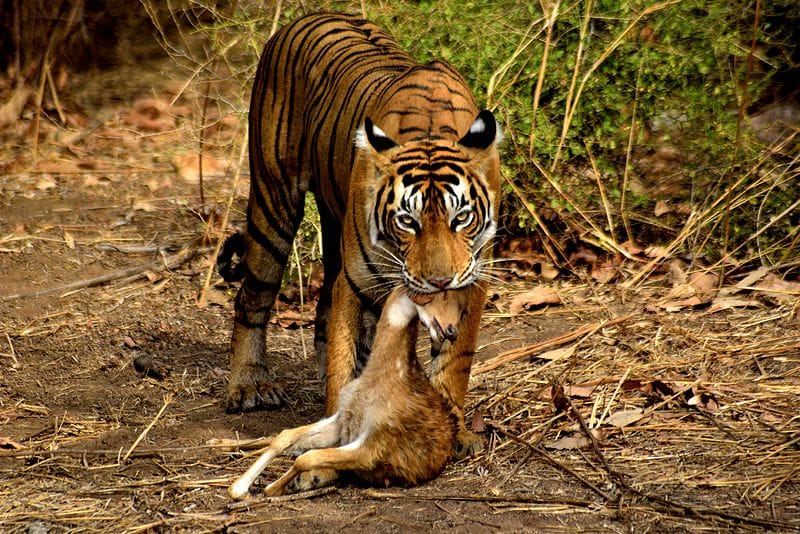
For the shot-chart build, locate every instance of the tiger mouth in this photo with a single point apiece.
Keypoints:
(414, 287)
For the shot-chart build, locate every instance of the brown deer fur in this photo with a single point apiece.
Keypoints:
(391, 426)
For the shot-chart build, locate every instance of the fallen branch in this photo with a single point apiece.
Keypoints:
(525, 499)
(522, 352)
(668, 505)
(261, 501)
(167, 402)
(164, 264)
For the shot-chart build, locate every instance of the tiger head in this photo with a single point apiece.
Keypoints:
(432, 203)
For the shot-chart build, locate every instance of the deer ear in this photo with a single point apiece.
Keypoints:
(483, 133)
(369, 135)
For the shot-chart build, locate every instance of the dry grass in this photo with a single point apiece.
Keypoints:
(693, 417)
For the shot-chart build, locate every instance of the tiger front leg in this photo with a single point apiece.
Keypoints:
(342, 342)
(451, 368)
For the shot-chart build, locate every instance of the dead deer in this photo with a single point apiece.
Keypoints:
(391, 425)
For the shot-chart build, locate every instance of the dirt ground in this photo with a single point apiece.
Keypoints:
(110, 388)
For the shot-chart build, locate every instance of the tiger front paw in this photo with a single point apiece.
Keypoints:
(250, 388)
(467, 444)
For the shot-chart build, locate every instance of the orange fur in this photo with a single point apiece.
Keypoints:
(390, 426)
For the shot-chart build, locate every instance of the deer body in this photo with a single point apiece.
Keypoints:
(391, 425)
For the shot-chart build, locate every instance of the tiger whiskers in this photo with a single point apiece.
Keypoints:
(387, 254)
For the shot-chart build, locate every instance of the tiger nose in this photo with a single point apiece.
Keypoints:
(440, 281)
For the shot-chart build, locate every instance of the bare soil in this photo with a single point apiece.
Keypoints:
(109, 393)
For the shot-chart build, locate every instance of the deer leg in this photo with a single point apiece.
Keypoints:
(320, 434)
(350, 457)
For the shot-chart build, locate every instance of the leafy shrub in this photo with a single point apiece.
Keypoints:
(636, 104)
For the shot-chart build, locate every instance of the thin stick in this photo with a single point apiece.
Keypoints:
(624, 190)
(167, 402)
(603, 196)
(255, 503)
(201, 297)
(156, 266)
(551, 460)
(537, 93)
(201, 148)
(276, 17)
(522, 352)
(13, 353)
(381, 494)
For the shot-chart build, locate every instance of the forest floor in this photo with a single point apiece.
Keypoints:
(113, 378)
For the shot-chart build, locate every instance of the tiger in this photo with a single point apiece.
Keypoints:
(405, 173)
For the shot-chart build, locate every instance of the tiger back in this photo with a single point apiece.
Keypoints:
(405, 174)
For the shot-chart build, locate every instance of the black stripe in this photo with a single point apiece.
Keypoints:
(265, 242)
(366, 302)
(255, 285)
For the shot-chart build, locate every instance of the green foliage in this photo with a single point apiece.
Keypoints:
(647, 94)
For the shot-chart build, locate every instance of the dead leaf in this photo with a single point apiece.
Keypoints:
(575, 441)
(11, 110)
(557, 354)
(623, 418)
(188, 167)
(567, 391)
(291, 319)
(549, 271)
(151, 114)
(688, 290)
(578, 391)
(69, 240)
(661, 208)
(583, 255)
(656, 252)
(478, 425)
(678, 305)
(781, 290)
(631, 248)
(535, 297)
(704, 284)
(725, 303)
(604, 272)
(8, 443)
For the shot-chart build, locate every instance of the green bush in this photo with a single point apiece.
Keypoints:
(649, 96)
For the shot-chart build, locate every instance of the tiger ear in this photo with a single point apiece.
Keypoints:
(483, 133)
(369, 135)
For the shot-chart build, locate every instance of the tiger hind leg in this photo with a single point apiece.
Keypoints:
(267, 247)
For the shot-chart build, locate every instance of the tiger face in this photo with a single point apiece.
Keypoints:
(431, 208)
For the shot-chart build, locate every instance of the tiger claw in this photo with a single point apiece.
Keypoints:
(251, 390)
